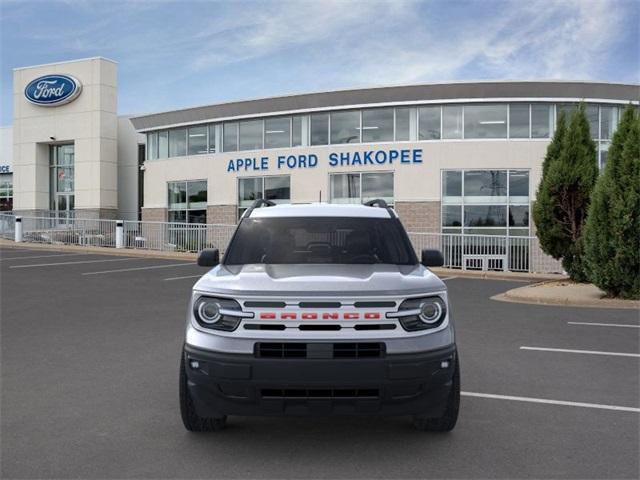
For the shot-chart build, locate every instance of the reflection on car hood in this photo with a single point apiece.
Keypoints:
(318, 280)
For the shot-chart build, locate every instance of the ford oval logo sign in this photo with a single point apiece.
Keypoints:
(53, 90)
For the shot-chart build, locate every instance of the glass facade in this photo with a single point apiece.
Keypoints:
(61, 179)
(383, 124)
(275, 188)
(6, 192)
(486, 202)
(361, 187)
(187, 201)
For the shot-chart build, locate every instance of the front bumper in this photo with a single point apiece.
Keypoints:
(234, 384)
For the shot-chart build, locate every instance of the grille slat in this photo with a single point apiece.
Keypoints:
(300, 350)
(311, 393)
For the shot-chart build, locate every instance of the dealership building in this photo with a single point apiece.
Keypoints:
(460, 157)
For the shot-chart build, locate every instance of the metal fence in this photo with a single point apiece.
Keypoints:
(7, 226)
(67, 231)
(467, 252)
(179, 237)
(488, 252)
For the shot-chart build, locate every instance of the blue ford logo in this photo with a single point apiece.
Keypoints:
(53, 90)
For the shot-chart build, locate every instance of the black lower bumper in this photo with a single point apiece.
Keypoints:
(231, 384)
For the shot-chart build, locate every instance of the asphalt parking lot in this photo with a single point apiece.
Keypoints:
(90, 351)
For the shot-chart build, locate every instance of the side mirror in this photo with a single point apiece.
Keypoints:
(432, 258)
(209, 257)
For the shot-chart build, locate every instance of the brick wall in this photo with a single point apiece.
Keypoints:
(222, 214)
(419, 216)
(154, 214)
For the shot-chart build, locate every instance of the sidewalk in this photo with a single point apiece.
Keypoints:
(564, 293)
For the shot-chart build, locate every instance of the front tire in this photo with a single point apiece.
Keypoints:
(449, 418)
(190, 418)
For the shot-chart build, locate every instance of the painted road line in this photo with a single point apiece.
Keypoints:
(152, 267)
(551, 402)
(605, 324)
(42, 256)
(588, 352)
(447, 278)
(75, 263)
(183, 278)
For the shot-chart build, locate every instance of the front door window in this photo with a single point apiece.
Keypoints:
(62, 179)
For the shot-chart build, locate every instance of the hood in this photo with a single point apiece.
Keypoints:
(319, 280)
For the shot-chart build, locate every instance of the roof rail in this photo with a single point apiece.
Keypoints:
(380, 203)
(257, 204)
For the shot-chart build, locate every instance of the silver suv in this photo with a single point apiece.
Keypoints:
(319, 309)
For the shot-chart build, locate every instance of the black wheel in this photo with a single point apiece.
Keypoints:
(448, 420)
(190, 418)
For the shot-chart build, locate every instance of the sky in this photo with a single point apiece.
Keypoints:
(176, 54)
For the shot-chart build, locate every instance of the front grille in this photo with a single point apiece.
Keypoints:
(319, 350)
(357, 350)
(320, 393)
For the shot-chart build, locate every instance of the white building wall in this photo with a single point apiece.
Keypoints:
(417, 182)
(128, 169)
(89, 122)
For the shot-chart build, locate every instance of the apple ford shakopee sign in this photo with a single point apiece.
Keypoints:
(53, 90)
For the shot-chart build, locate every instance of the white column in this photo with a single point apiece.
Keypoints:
(18, 230)
(119, 234)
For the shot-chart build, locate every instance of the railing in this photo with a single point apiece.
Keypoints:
(183, 237)
(467, 252)
(7, 226)
(69, 231)
(488, 252)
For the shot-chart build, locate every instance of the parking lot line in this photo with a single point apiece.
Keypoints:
(182, 278)
(605, 324)
(74, 263)
(152, 267)
(551, 402)
(447, 278)
(589, 352)
(41, 256)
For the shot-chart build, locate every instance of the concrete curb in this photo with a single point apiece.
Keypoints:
(545, 293)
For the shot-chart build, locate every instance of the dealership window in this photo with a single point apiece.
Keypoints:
(429, 123)
(541, 120)
(163, 144)
(197, 140)
(519, 120)
(61, 179)
(608, 121)
(487, 202)
(188, 201)
(276, 188)
(296, 131)
(361, 187)
(6, 192)
(277, 132)
(320, 129)
(251, 133)
(485, 121)
(212, 138)
(377, 125)
(178, 142)
(230, 137)
(345, 127)
(452, 121)
(152, 146)
(403, 124)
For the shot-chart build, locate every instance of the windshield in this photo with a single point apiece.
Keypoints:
(313, 240)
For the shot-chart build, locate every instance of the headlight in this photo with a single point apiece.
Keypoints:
(217, 313)
(421, 313)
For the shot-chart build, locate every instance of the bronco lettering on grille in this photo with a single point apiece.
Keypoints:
(323, 316)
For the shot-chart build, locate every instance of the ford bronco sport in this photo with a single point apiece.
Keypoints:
(319, 309)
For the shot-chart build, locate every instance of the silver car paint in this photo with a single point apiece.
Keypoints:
(295, 283)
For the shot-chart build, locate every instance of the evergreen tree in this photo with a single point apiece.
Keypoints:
(563, 197)
(612, 233)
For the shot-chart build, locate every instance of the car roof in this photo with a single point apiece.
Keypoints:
(321, 210)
